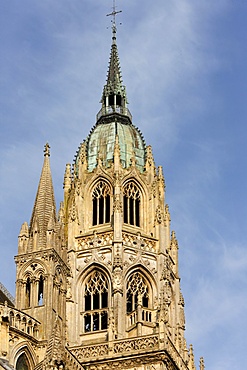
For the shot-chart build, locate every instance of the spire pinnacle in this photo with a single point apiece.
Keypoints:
(44, 206)
(47, 150)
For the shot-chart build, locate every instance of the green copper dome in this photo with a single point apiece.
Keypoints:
(101, 143)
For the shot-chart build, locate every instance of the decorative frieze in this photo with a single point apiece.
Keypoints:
(119, 347)
(88, 352)
(95, 240)
(138, 242)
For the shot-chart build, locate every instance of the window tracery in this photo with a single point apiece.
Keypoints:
(101, 203)
(137, 292)
(96, 302)
(132, 197)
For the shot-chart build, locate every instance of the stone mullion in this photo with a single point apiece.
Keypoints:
(134, 211)
(97, 223)
(104, 210)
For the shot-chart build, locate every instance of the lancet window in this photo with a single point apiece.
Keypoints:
(96, 302)
(101, 203)
(137, 292)
(131, 204)
(28, 293)
(40, 290)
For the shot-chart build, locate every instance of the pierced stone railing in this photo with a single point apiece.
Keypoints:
(118, 347)
(136, 344)
(87, 352)
(20, 321)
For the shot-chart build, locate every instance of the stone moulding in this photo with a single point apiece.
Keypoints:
(84, 353)
(110, 352)
(150, 342)
(133, 362)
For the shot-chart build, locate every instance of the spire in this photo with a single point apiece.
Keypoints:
(114, 93)
(114, 79)
(44, 210)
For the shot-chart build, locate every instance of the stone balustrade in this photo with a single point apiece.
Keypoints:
(20, 321)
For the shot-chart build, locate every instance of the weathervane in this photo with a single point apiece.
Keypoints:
(113, 15)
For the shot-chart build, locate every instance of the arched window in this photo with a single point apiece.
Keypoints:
(28, 293)
(131, 196)
(29, 327)
(137, 292)
(18, 321)
(24, 324)
(40, 290)
(11, 319)
(22, 362)
(101, 203)
(35, 331)
(96, 302)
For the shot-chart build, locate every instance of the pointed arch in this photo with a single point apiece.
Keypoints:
(137, 291)
(101, 202)
(24, 357)
(41, 290)
(132, 203)
(32, 288)
(22, 362)
(94, 301)
(28, 287)
(140, 293)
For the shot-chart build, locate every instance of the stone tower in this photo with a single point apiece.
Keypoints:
(98, 286)
(42, 270)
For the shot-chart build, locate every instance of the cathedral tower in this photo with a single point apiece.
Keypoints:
(124, 304)
(98, 285)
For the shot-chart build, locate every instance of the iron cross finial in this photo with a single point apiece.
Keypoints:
(113, 15)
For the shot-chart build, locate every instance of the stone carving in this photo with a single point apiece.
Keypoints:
(90, 351)
(139, 242)
(73, 213)
(95, 240)
(167, 269)
(136, 344)
(82, 153)
(117, 204)
(117, 279)
(159, 216)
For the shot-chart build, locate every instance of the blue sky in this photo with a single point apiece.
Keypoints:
(184, 66)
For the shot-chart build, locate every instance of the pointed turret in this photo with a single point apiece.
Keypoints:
(114, 97)
(114, 88)
(44, 210)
